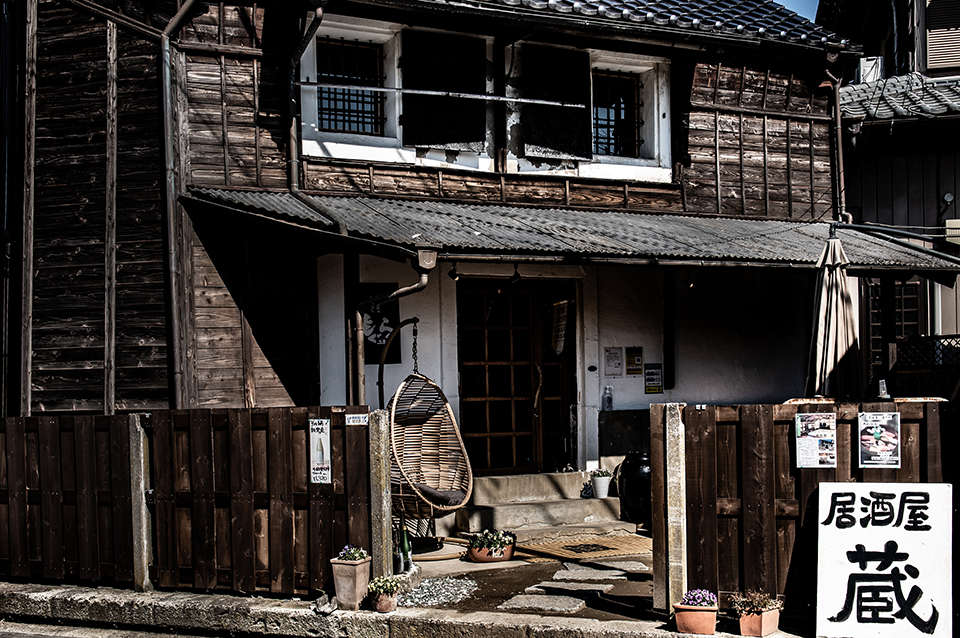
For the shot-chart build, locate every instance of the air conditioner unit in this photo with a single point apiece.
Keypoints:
(870, 70)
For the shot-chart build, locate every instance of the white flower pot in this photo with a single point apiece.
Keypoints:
(601, 486)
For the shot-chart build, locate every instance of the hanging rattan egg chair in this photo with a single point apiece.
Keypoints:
(430, 474)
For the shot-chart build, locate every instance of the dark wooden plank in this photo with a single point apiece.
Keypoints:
(110, 229)
(202, 515)
(728, 497)
(321, 517)
(759, 507)
(658, 501)
(241, 501)
(281, 500)
(51, 497)
(121, 501)
(701, 486)
(932, 446)
(165, 536)
(357, 481)
(87, 530)
(16, 521)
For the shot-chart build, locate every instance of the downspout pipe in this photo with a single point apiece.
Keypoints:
(170, 207)
(842, 215)
(293, 153)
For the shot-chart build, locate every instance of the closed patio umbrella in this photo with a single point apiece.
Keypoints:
(834, 368)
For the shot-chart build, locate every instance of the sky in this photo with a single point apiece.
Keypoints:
(806, 8)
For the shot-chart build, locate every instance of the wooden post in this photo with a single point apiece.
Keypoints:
(142, 525)
(676, 492)
(110, 231)
(29, 135)
(381, 528)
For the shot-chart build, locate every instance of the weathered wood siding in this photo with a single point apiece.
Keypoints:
(759, 145)
(237, 98)
(98, 253)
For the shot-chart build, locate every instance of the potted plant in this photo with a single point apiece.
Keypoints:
(351, 573)
(696, 613)
(601, 482)
(758, 611)
(383, 593)
(491, 546)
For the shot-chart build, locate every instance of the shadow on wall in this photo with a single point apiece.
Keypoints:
(271, 274)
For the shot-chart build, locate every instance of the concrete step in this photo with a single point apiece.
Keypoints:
(544, 513)
(520, 488)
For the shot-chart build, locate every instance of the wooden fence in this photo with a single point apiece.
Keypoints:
(750, 513)
(232, 505)
(65, 499)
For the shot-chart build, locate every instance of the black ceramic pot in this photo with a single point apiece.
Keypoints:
(633, 486)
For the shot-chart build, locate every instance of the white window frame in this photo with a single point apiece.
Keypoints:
(656, 131)
(355, 146)
(389, 147)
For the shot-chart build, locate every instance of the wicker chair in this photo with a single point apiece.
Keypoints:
(430, 475)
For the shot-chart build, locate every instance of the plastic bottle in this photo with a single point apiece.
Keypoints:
(606, 399)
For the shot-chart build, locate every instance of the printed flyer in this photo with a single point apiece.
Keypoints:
(816, 440)
(879, 440)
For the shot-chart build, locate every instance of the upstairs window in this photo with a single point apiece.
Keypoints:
(350, 109)
(617, 114)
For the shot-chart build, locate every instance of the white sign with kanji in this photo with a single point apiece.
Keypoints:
(884, 565)
(320, 451)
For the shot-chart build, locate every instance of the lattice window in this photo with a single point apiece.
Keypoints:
(617, 114)
(907, 317)
(350, 110)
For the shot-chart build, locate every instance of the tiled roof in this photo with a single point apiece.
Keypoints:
(902, 97)
(747, 19)
(515, 230)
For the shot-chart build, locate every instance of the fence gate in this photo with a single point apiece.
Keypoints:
(750, 514)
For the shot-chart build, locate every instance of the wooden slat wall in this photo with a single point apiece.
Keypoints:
(759, 144)
(65, 503)
(747, 503)
(99, 331)
(234, 506)
(236, 113)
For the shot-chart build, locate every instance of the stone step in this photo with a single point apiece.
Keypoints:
(544, 513)
(520, 488)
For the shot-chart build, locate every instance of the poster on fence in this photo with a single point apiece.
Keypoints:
(320, 451)
(816, 440)
(879, 441)
(883, 565)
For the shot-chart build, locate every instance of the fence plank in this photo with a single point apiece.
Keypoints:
(658, 500)
(281, 500)
(51, 497)
(165, 532)
(357, 479)
(16, 444)
(728, 493)
(933, 457)
(701, 479)
(759, 507)
(87, 529)
(202, 515)
(320, 517)
(122, 505)
(241, 501)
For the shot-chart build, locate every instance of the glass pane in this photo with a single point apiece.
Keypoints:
(501, 416)
(498, 309)
(499, 345)
(473, 417)
(472, 345)
(477, 453)
(522, 381)
(473, 381)
(501, 385)
(501, 452)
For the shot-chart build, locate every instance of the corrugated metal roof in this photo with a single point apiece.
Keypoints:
(456, 228)
(747, 19)
(902, 97)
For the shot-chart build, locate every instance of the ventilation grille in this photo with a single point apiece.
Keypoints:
(943, 34)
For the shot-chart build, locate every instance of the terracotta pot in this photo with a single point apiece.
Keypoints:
(762, 624)
(695, 620)
(601, 486)
(484, 555)
(350, 579)
(385, 603)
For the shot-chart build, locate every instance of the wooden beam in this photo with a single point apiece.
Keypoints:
(145, 30)
(110, 231)
(224, 127)
(30, 143)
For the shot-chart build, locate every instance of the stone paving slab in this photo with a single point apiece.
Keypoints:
(587, 573)
(543, 602)
(573, 587)
(632, 566)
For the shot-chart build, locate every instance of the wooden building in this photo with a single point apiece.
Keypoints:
(211, 190)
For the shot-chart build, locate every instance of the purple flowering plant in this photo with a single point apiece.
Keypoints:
(699, 598)
(352, 553)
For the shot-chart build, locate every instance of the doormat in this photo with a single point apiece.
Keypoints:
(592, 547)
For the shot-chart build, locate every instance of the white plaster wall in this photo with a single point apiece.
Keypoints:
(741, 335)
